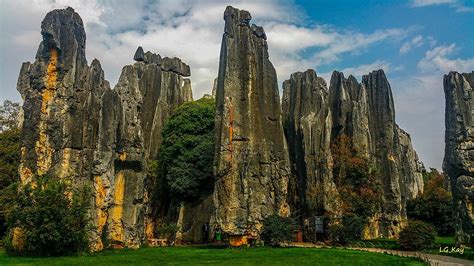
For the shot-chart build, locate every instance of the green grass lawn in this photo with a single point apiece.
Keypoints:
(441, 241)
(214, 256)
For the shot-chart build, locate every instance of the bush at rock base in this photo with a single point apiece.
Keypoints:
(417, 236)
(49, 218)
(348, 229)
(277, 230)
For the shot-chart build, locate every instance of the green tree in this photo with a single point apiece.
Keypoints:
(434, 206)
(9, 161)
(52, 218)
(187, 152)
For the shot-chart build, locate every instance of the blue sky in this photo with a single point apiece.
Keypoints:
(414, 41)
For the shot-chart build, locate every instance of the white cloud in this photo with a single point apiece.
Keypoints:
(420, 3)
(417, 41)
(437, 60)
(456, 4)
(191, 30)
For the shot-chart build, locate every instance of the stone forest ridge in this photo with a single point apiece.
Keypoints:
(272, 155)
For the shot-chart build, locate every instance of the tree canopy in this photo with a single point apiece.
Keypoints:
(187, 152)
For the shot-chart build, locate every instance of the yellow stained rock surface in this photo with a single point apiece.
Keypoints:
(25, 174)
(123, 156)
(42, 147)
(117, 233)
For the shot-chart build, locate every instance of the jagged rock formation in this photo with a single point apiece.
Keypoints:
(133, 116)
(61, 96)
(251, 160)
(315, 118)
(75, 127)
(459, 155)
(308, 123)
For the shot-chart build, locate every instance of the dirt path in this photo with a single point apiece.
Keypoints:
(431, 259)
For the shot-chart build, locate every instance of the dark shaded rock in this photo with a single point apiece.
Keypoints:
(459, 150)
(139, 55)
(176, 65)
(251, 161)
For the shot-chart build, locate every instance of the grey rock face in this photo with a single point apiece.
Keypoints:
(133, 117)
(307, 121)
(314, 118)
(459, 145)
(251, 160)
(176, 65)
(61, 96)
(75, 127)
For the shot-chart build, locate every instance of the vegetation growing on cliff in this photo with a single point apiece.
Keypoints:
(360, 190)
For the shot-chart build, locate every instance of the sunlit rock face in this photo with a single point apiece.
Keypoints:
(76, 128)
(251, 160)
(131, 122)
(314, 119)
(459, 155)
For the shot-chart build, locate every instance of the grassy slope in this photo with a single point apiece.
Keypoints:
(199, 256)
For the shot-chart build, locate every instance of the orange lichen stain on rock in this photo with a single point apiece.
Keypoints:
(25, 174)
(149, 226)
(18, 239)
(65, 162)
(101, 215)
(391, 158)
(117, 232)
(237, 241)
(99, 202)
(50, 80)
(43, 150)
(123, 156)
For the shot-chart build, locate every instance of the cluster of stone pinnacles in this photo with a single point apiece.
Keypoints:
(271, 154)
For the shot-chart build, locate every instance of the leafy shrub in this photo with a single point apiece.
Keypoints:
(417, 236)
(167, 231)
(276, 230)
(348, 229)
(52, 219)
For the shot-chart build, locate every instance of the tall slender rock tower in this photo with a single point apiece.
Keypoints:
(251, 160)
(459, 150)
